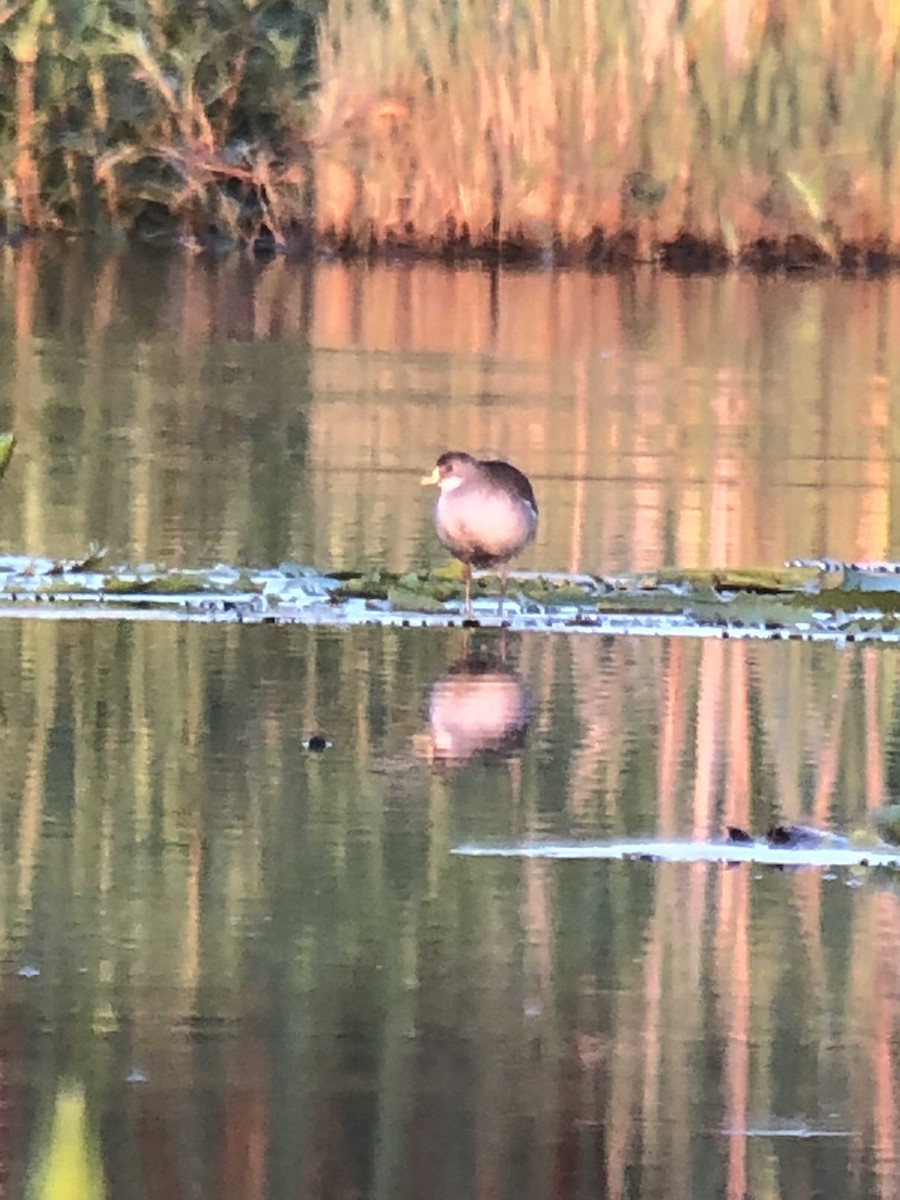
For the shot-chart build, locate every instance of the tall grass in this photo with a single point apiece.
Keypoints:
(547, 125)
(556, 121)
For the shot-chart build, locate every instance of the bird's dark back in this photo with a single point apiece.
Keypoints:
(511, 479)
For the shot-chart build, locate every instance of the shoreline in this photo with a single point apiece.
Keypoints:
(623, 250)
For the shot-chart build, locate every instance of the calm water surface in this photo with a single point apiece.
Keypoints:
(176, 410)
(232, 966)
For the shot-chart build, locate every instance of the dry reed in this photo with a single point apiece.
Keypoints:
(694, 131)
(556, 124)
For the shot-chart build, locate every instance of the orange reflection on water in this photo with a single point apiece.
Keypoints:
(728, 421)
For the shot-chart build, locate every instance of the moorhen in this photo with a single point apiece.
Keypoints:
(485, 514)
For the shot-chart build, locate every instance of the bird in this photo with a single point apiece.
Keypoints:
(485, 514)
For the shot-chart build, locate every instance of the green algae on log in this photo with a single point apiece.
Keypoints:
(803, 600)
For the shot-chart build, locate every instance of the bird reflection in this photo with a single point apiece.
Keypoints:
(480, 706)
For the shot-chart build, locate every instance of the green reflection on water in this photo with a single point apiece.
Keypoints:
(189, 411)
(264, 964)
(67, 1166)
(272, 976)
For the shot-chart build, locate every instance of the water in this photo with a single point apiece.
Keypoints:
(186, 412)
(236, 966)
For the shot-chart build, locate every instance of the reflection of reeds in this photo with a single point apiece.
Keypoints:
(176, 860)
(695, 422)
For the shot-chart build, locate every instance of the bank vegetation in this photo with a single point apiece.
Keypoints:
(698, 132)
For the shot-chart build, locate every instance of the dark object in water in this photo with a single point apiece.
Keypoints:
(795, 836)
(799, 837)
(317, 743)
(485, 515)
(738, 836)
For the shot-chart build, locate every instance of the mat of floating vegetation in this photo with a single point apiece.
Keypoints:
(805, 600)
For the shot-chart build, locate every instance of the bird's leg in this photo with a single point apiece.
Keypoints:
(502, 573)
(467, 577)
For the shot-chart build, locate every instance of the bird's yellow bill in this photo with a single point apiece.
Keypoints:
(430, 480)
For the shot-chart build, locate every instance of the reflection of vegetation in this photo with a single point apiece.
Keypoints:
(280, 942)
(293, 412)
(114, 455)
(7, 443)
(68, 1166)
(314, 989)
(887, 822)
